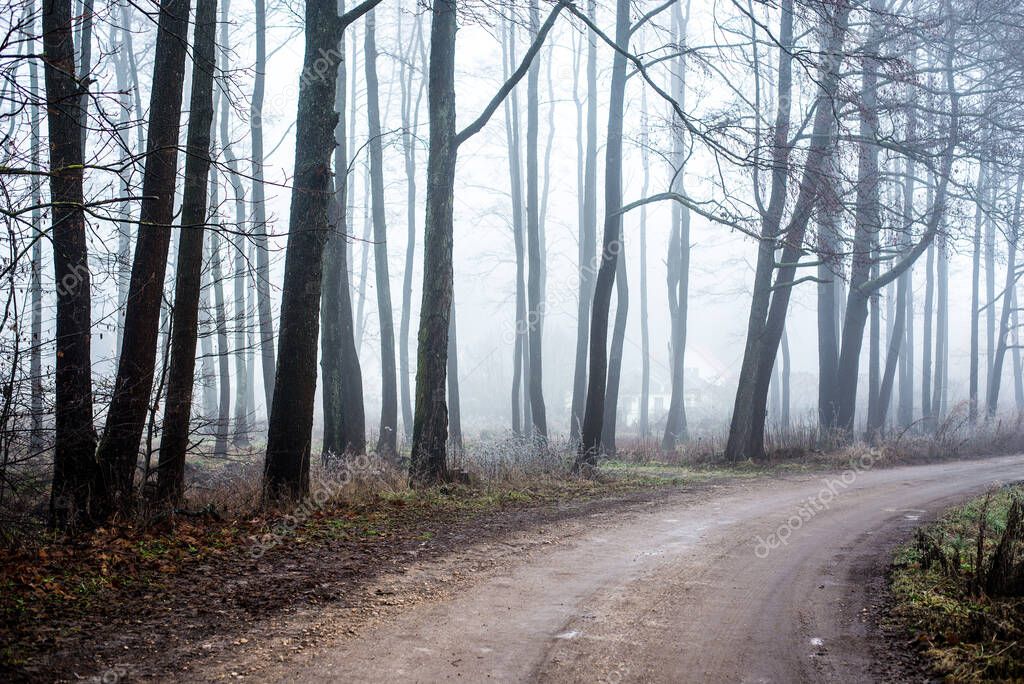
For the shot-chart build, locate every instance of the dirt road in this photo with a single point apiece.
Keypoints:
(767, 582)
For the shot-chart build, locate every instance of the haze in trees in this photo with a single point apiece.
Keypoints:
(804, 179)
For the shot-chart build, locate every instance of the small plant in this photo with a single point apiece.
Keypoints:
(959, 586)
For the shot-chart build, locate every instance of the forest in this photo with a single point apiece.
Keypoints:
(163, 301)
(251, 245)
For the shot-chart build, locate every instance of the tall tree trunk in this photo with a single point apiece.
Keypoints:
(941, 332)
(188, 283)
(972, 393)
(926, 351)
(364, 268)
(611, 395)
(344, 416)
(410, 123)
(876, 417)
(593, 418)
(587, 238)
(907, 385)
(678, 261)
(207, 328)
(645, 337)
(122, 65)
(990, 289)
(37, 437)
(454, 400)
(1007, 295)
(863, 262)
(286, 470)
(85, 70)
(830, 271)
(1018, 380)
(534, 256)
(874, 339)
(430, 420)
(220, 317)
(223, 425)
(242, 428)
(75, 477)
(520, 413)
(906, 413)
(387, 438)
(786, 373)
(119, 449)
(259, 209)
(770, 303)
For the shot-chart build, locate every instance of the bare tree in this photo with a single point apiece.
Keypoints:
(188, 283)
(286, 470)
(430, 423)
(118, 451)
(76, 482)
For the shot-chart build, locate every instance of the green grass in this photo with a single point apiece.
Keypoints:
(937, 585)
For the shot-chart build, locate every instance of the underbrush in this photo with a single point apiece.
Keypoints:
(361, 503)
(959, 588)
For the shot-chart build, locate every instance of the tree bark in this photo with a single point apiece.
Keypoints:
(972, 392)
(926, 351)
(454, 400)
(590, 436)
(75, 475)
(643, 426)
(830, 270)
(678, 261)
(286, 469)
(876, 418)
(534, 256)
(259, 209)
(1009, 285)
(520, 395)
(587, 238)
(430, 423)
(242, 428)
(223, 425)
(868, 223)
(37, 437)
(990, 290)
(410, 123)
(430, 420)
(861, 302)
(611, 397)
(769, 304)
(344, 416)
(388, 435)
(119, 449)
(188, 283)
(941, 332)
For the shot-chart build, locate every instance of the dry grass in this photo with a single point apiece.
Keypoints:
(232, 487)
(958, 588)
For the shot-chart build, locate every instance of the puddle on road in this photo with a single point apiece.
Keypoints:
(572, 634)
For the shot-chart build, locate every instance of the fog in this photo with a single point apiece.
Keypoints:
(874, 145)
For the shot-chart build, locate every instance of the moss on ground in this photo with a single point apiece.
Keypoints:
(938, 584)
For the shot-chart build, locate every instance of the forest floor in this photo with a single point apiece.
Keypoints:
(655, 574)
(965, 608)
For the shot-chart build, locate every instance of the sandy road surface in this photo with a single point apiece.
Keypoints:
(678, 592)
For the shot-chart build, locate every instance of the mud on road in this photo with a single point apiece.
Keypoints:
(681, 589)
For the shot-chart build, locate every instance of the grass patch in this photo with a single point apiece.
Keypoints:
(959, 589)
